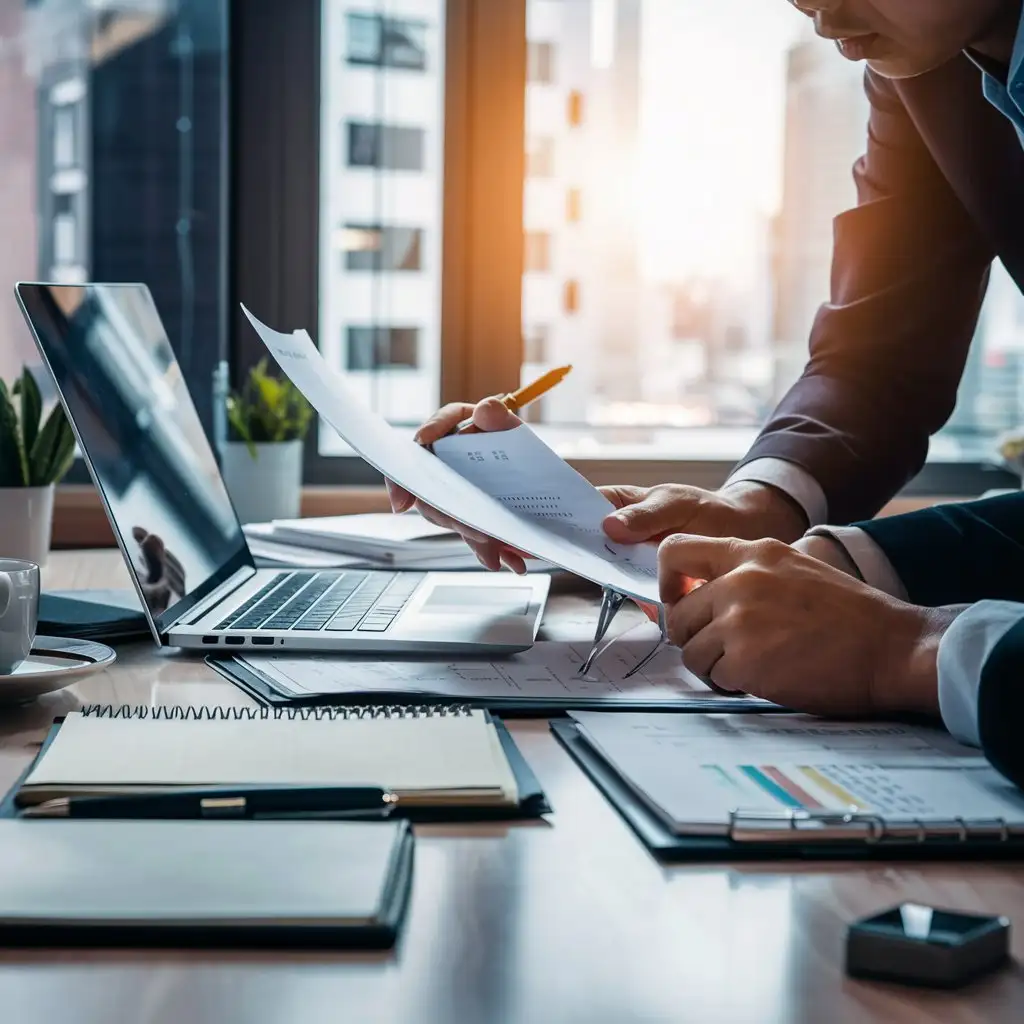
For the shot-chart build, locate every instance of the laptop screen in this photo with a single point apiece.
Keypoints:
(139, 431)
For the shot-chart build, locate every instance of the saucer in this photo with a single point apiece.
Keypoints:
(53, 664)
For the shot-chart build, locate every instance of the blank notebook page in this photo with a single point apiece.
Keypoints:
(411, 755)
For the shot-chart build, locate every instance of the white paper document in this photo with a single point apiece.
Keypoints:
(509, 486)
(695, 771)
(548, 671)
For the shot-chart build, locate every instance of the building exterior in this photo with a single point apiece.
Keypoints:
(825, 133)
(126, 100)
(581, 284)
(18, 140)
(382, 136)
(382, 150)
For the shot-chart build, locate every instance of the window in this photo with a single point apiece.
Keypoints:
(385, 147)
(535, 342)
(571, 297)
(65, 141)
(65, 232)
(540, 61)
(113, 164)
(382, 348)
(689, 283)
(382, 248)
(540, 157)
(575, 108)
(573, 205)
(537, 252)
(386, 42)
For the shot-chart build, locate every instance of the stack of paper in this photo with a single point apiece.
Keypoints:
(377, 540)
(374, 539)
(407, 541)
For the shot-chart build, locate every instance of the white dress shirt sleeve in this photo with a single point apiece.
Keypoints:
(871, 561)
(790, 479)
(963, 651)
(964, 648)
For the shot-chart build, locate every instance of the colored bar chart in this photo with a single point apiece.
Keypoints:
(798, 793)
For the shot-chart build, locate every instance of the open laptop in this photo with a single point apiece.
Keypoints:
(156, 473)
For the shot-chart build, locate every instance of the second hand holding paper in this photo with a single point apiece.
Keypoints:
(511, 487)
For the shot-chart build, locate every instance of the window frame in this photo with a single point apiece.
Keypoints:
(275, 103)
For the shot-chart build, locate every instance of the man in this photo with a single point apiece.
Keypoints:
(941, 194)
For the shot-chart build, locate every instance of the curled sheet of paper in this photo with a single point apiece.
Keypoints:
(510, 486)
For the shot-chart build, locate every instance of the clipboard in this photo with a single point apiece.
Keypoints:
(790, 835)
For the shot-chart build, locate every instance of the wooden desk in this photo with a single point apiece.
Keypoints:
(568, 920)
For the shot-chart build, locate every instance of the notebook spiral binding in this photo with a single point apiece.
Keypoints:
(800, 827)
(194, 713)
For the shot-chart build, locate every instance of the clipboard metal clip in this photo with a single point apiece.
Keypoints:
(611, 602)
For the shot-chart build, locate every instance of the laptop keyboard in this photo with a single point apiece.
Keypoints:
(337, 602)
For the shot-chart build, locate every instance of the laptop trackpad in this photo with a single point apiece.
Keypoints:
(495, 600)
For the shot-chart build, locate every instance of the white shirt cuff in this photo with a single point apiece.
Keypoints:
(872, 562)
(963, 651)
(790, 479)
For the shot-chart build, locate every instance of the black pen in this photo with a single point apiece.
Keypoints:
(334, 802)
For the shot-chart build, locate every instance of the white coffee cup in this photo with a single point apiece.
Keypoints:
(19, 611)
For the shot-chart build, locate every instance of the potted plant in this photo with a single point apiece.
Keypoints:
(262, 458)
(34, 456)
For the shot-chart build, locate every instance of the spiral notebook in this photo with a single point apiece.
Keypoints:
(441, 762)
(759, 786)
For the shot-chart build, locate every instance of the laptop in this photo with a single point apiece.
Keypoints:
(139, 433)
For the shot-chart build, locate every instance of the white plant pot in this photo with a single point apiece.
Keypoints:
(267, 487)
(26, 523)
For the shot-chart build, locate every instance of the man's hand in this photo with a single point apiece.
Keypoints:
(163, 575)
(644, 514)
(778, 624)
(746, 510)
(488, 415)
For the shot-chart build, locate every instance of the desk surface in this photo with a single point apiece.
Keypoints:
(566, 920)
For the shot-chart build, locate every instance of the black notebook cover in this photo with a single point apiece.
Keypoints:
(668, 846)
(123, 891)
(66, 615)
(263, 690)
(532, 801)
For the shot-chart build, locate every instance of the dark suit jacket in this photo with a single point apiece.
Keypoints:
(941, 193)
(959, 554)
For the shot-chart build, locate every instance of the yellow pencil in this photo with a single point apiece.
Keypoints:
(516, 400)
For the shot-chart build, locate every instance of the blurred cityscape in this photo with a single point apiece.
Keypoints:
(113, 162)
(711, 349)
(684, 161)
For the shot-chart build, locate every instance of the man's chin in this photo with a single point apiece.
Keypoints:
(898, 68)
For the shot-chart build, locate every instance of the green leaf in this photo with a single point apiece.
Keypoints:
(64, 461)
(237, 419)
(46, 452)
(268, 409)
(31, 408)
(64, 453)
(12, 466)
(272, 393)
